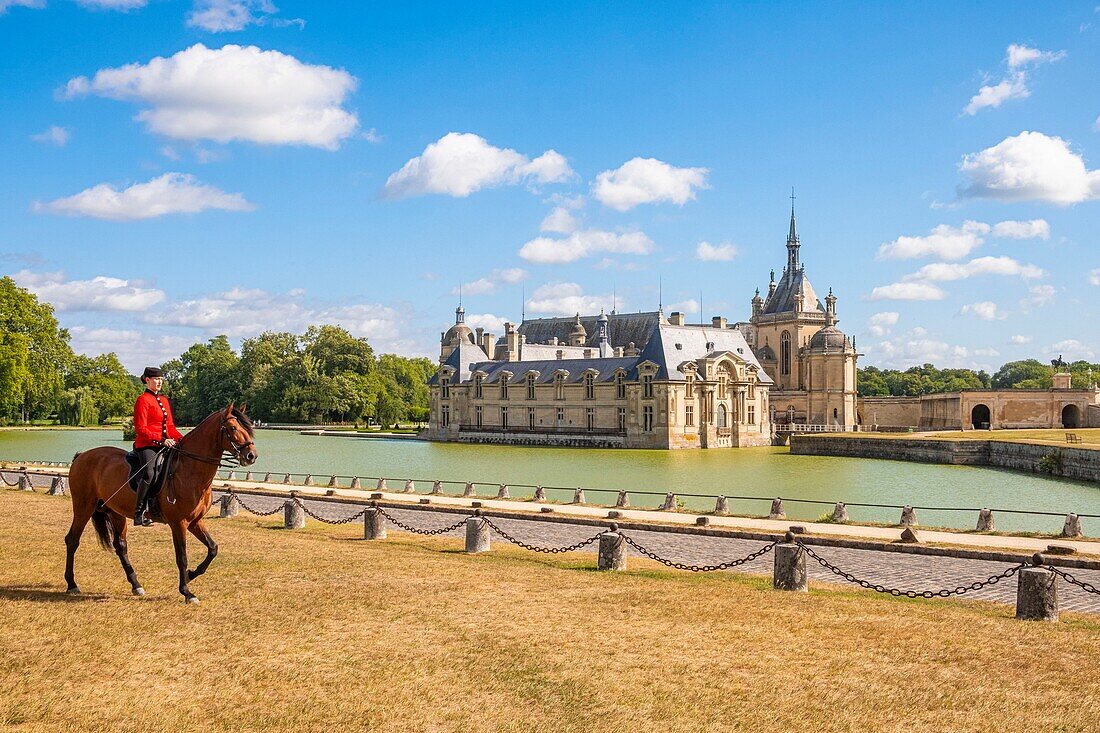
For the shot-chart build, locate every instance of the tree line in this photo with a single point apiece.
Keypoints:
(927, 379)
(325, 375)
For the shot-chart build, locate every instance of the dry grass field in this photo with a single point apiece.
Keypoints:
(317, 629)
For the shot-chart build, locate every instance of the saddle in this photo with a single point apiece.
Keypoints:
(162, 469)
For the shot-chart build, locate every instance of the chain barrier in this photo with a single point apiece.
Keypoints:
(943, 593)
(6, 481)
(252, 510)
(551, 550)
(409, 528)
(1085, 586)
(700, 568)
(345, 520)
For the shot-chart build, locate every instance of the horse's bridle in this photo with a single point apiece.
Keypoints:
(234, 459)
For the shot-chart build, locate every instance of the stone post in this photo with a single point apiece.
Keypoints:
(286, 479)
(722, 505)
(540, 493)
(232, 476)
(248, 476)
(502, 493)
(25, 483)
(777, 511)
(410, 487)
(578, 496)
(57, 486)
(612, 550)
(623, 500)
(469, 490)
(309, 480)
(437, 488)
(267, 477)
(908, 516)
(1072, 527)
(230, 507)
(986, 522)
(1037, 593)
(840, 512)
(789, 569)
(477, 534)
(356, 483)
(293, 516)
(374, 524)
(333, 483)
(669, 504)
(381, 486)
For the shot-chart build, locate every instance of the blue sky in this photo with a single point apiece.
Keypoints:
(179, 169)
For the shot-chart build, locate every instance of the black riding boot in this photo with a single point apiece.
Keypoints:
(141, 519)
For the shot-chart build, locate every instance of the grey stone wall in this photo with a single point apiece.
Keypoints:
(1068, 462)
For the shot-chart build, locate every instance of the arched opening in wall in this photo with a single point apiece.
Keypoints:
(721, 416)
(1071, 416)
(979, 417)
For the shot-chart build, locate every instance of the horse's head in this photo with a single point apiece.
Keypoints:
(237, 435)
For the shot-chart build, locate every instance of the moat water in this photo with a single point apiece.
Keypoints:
(761, 472)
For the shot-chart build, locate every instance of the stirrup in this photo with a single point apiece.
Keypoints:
(141, 518)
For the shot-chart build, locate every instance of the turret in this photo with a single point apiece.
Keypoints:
(757, 303)
(578, 335)
(830, 309)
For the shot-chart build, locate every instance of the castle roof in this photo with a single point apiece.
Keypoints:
(623, 328)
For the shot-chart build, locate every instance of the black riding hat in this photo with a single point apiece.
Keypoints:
(151, 372)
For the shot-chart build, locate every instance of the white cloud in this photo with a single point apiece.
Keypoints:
(946, 272)
(122, 5)
(565, 299)
(1029, 167)
(986, 310)
(1094, 276)
(1038, 296)
(1020, 60)
(100, 293)
(584, 244)
(232, 93)
(1073, 348)
(559, 221)
(489, 283)
(1020, 339)
(879, 324)
(1033, 229)
(171, 193)
(1019, 57)
(918, 347)
(219, 16)
(54, 135)
(373, 136)
(460, 163)
(945, 242)
(691, 305)
(723, 252)
(647, 181)
(491, 323)
(908, 291)
(5, 4)
(135, 349)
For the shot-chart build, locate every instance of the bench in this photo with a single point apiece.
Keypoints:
(1073, 438)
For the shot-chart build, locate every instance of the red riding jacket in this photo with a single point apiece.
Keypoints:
(153, 421)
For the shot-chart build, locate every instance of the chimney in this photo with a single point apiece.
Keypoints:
(718, 321)
(676, 319)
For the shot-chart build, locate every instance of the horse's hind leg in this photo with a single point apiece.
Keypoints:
(82, 512)
(122, 550)
(199, 530)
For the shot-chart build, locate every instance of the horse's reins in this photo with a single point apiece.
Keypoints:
(142, 468)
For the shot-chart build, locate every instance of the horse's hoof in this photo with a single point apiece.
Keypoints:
(74, 591)
(192, 599)
(139, 591)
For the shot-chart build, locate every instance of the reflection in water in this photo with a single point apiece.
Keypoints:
(764, 472)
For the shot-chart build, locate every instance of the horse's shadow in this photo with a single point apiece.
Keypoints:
(46, 593)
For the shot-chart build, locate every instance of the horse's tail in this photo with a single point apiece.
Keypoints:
(103, 529)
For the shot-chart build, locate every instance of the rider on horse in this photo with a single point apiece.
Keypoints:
(154, 430)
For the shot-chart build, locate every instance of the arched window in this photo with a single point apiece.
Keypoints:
(721, 415)
(785, 352)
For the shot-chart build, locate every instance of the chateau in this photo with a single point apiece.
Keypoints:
(644, 380)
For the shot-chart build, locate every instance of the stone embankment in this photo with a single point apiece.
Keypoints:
(1068, 462)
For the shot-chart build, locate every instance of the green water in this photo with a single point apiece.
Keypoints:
(763, 472)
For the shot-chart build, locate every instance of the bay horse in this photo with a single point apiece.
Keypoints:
(99, 486)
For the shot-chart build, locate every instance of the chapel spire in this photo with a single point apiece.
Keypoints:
(792, 240)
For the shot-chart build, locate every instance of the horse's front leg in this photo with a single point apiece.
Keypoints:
(179, 539)
(198, 529)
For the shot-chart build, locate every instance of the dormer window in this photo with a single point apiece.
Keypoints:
(589, 386)
(479, 382)
(559, 386)
(504, 386)
(445, 388)
(530, 386)
(647, 386)
(620, 386)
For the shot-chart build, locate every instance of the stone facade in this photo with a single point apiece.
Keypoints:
(995, 409)
(645, 380)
